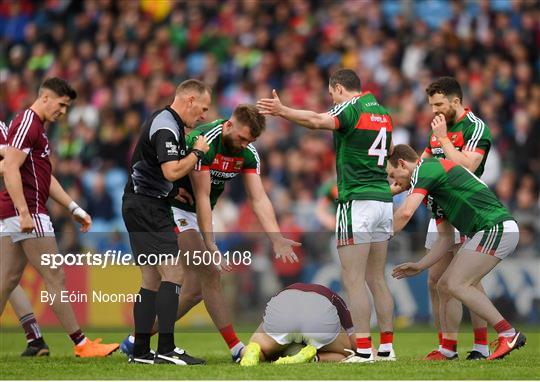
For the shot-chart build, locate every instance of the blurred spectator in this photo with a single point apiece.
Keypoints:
(126, 58)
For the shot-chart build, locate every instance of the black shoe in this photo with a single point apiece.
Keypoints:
(475, 355)
(147, 359)
(178, 357)
(36, 350)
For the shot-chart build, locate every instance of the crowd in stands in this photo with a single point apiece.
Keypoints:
(126, 57)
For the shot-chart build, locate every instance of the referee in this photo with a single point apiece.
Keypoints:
(160, 159)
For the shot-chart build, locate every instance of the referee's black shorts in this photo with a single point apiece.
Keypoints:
(150, 225)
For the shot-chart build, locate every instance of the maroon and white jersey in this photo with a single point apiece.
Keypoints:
(27, 133)
(341, 307)
(3, 134)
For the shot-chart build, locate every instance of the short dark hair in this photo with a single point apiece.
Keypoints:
(447, 86)
(346, 78)
(59, 86)
(193, 85)
(250, 116)
(404, 152)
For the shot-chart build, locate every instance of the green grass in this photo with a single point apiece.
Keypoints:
(410, 345)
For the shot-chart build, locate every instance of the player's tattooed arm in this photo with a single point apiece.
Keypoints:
(306, 118)
(59, 195)
(444, 242)
(469, 159)
(405, 212)
(262, 207)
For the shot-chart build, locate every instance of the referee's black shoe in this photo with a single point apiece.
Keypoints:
(178, 357)
(147, 359)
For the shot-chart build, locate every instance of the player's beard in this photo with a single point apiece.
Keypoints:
(450, 116)
(228, 143)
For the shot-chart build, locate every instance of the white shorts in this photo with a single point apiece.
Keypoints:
(185, 220)
(295, 316)
(11, 227)
(499, 241)
(364, 221)
(433, 234)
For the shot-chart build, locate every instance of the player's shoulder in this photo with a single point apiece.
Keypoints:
(163, 120)
(25, 119)
(351, 104)
(251, 152)
(474, 124)
(3, 132)
(211, 129)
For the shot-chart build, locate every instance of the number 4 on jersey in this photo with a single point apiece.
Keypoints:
(378, 148)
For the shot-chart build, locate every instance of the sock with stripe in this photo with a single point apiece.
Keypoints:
(31, 328)
(230, 337)
(363, 347)
(386, 340)
(78, 337)
(504, 329)
(440, 340)
(480, 341)
(449, 347)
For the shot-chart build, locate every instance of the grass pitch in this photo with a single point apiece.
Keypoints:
(410, 344)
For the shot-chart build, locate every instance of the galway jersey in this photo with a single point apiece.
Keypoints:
(27, 133)
(362, 139)
(222, 163)
(343, 311)
(469, 133)
(468, 204)
(3, 143)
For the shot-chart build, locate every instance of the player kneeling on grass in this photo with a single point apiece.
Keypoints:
(307, 314)
(471, 207)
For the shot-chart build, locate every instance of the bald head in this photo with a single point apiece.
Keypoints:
(192, 101)
(192, 87)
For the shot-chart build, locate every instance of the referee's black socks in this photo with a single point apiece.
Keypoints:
(166, 308)
(144, 314)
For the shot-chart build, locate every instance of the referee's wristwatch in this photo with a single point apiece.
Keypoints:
(198, 153)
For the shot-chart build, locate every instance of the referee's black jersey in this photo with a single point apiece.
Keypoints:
(161, 140)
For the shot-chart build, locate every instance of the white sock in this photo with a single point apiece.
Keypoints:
(236, 348)
(366, 351)
(440, 347)
(484, 349)
(508, 333)
(383, 348)
(131, 339)
(448, 353)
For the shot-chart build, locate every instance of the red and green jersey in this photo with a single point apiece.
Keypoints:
(223, 164)
(468, 204)
(362, 138)
(469, 133)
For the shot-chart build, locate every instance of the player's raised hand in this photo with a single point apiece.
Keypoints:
(438, 125)
(270, 106)
(26, 223)
(283, 248)
(406, 270)
(201, 143)
(395, 188)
